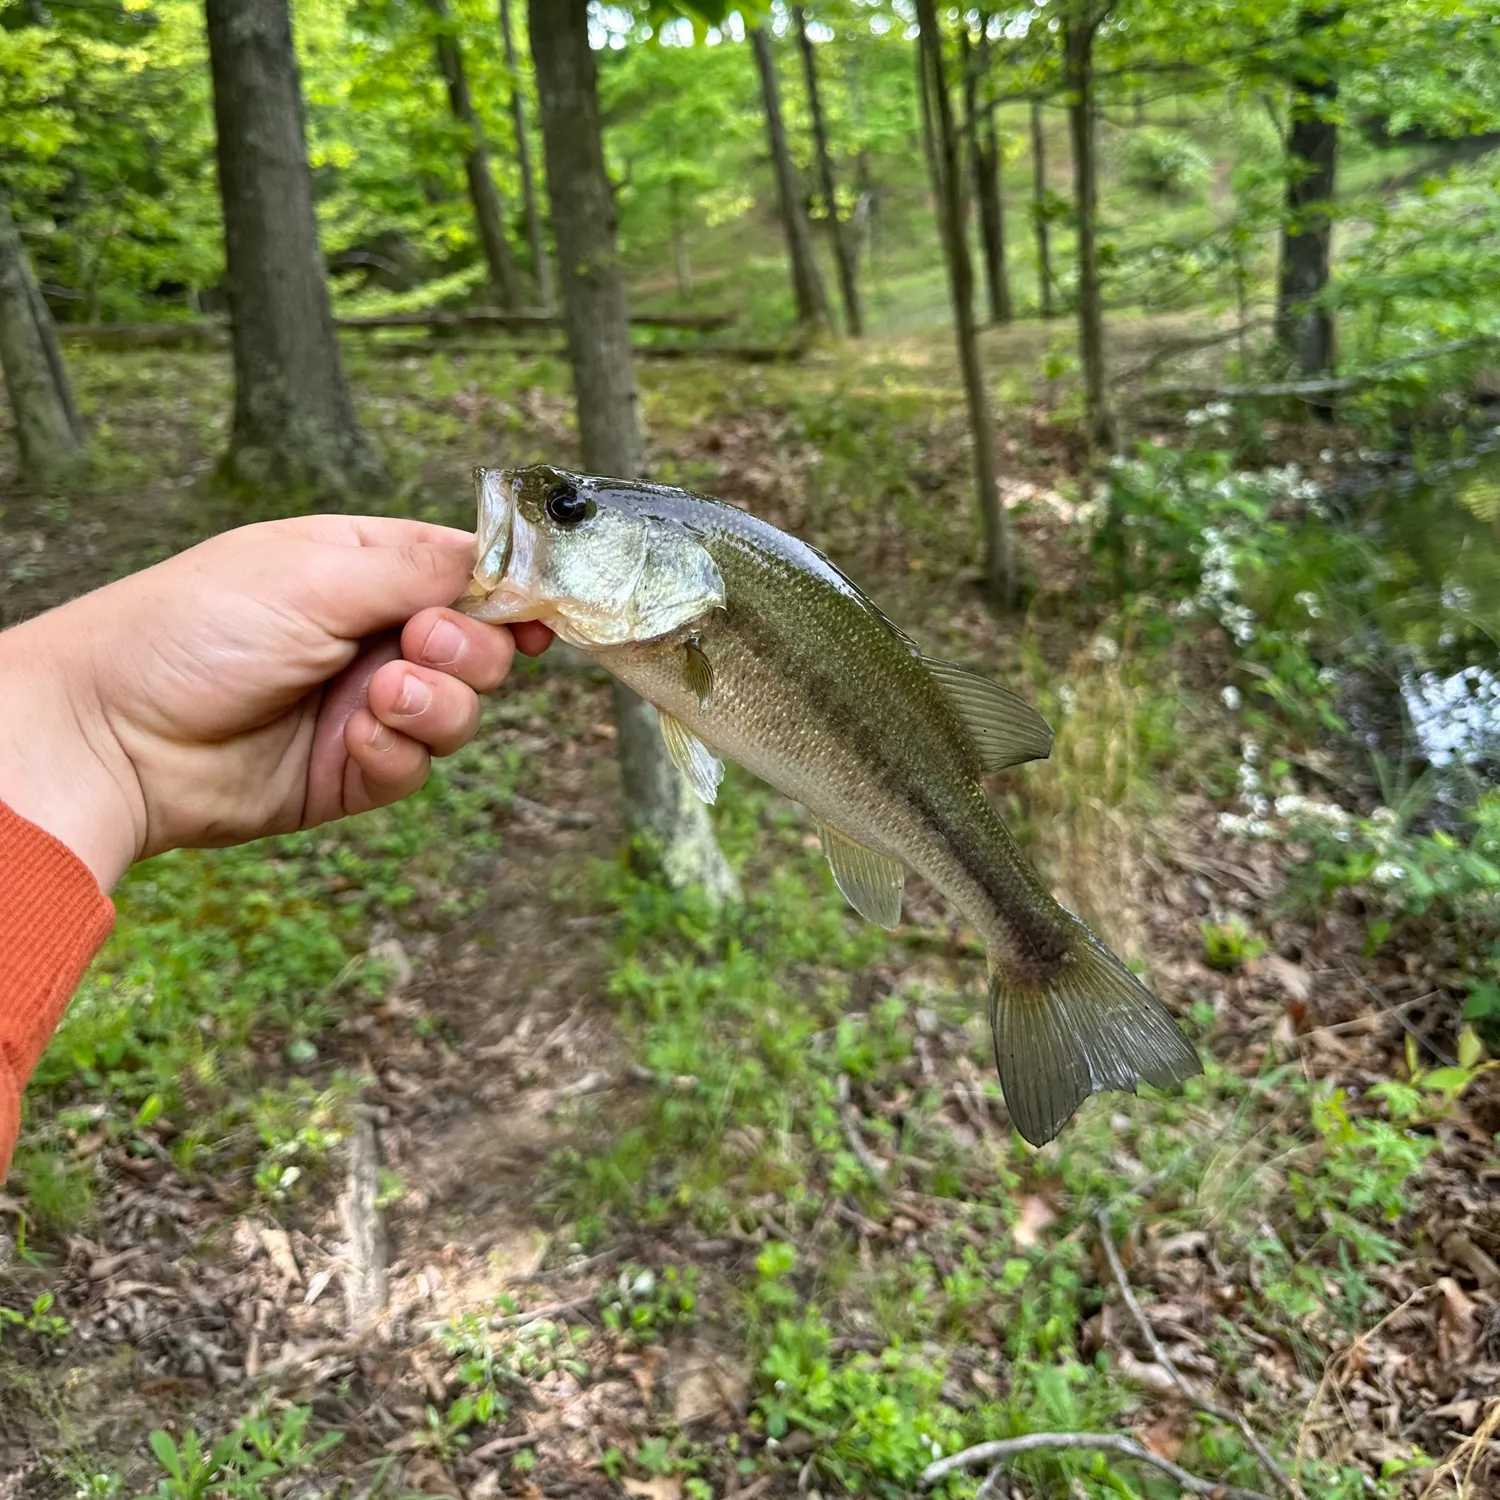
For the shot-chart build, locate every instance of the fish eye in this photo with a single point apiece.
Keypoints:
(565, 506)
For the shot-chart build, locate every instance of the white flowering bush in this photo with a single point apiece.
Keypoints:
(1446, 882)
(1192, 537)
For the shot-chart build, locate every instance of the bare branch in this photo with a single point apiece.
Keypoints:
(1100, 1442)
(1333, 385)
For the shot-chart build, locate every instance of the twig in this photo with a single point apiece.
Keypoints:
(1406, 1026)
(1367, 1022)
(1339, 1359)
(1100, 1442)
(1471, 1447)
(1332, 385)
(551, 1310)
(504, 1445)
(1158, 1352)
(851, 1132)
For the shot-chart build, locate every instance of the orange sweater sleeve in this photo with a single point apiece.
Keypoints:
(53, 918)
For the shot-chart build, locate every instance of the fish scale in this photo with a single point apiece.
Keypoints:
(753, 645)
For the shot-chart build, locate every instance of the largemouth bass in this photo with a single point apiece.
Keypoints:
(754, 646)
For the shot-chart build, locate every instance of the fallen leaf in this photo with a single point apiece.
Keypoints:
(1461, 1251)
(1034, 1216)
(1163, 1439)
(661, 1487)
(1146, 1374)
(1457, 1322)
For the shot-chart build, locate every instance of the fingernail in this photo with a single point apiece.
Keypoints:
(415, 695)
(445, 644)
(382, 737)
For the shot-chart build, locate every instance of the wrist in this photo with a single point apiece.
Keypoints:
(61, 765)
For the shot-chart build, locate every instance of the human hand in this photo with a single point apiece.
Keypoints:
(272, 678)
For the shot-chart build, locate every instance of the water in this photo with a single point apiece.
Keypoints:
(1429, 692)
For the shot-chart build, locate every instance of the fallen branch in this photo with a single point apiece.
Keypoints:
(365, 1286)
(1330, 386)
(1193, 1397)
(850, 1121)
(1099, 1442)
(551, 1310)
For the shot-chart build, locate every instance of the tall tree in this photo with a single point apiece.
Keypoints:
(1304, 330)
(807, 282)
(668, 823)
(999, 561)
(294, 425)
(541, 267)
(489, 213)
(984, 159)
(1040, 221)
(48, 428)
(843, 240)
(1080, 25)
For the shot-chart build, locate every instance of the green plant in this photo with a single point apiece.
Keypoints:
(242, 1463)
(39, 1321)
(641, 1306)
(1229, 945)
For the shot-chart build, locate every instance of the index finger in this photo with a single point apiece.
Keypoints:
(374, 531)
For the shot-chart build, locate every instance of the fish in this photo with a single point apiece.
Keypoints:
(754, 647)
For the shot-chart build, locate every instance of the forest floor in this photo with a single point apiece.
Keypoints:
(685, 1204)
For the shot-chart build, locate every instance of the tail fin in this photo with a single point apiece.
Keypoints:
(1092, 1027)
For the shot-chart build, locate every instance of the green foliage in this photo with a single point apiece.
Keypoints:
(1229, 945)
(1167, 163)
(244, 1464)
(642, 1307)
(39, 1321)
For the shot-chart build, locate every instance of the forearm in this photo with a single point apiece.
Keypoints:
(53, 917)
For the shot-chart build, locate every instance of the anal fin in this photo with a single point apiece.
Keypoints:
(703, 769)
(872, 882)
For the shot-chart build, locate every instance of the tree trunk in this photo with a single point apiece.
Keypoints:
(1304, 332)
(294, 426)
(1078, 55)
(807, 283)
(843, 239)
(541, 267)
(1039, 210)
(669, 827)
(999, 565)
(489, 213)
(48, 428)
(984, 159)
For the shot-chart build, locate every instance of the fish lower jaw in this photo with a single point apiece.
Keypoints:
(500, 607)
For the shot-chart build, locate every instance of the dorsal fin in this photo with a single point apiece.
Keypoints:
(1005, 728)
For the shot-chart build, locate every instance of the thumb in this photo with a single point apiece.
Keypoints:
(370, 589)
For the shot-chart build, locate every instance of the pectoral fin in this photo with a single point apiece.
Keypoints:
(703, 769)
(871, 882)
(698, 673)
(1005, 728)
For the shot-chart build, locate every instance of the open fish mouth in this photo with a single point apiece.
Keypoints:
(494, 489)
(487, 596)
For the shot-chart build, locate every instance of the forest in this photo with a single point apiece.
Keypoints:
(552, 1134)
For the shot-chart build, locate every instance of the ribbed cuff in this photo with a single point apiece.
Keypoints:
(53, 919)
